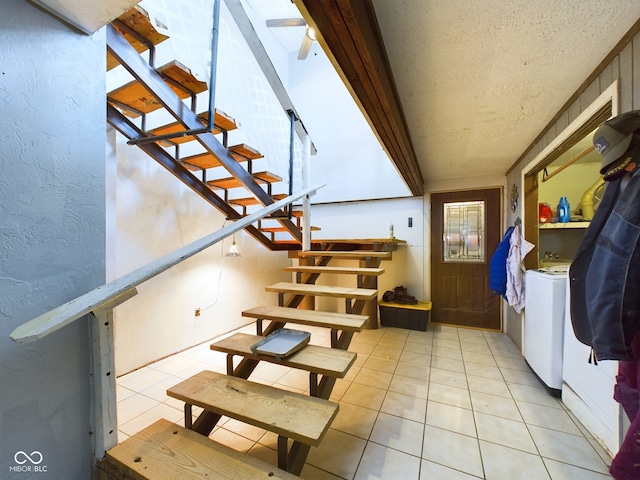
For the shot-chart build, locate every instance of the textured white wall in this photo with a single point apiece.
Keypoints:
(52, 222)
(371, 219)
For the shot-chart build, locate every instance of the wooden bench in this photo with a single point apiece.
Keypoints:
(312, 358)
(292, 415)
(232, 182)
(222, 123)
(347, 293)
(335, 321)
(205, 160)
(135, 100)
(350, 254)
(136, 27)
(165, 450)
(361, 272)
(335, 270)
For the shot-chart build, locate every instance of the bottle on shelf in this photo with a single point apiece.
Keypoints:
(564, 210)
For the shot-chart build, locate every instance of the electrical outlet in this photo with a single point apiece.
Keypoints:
(197, 312)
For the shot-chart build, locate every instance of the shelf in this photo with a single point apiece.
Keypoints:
(551, 226)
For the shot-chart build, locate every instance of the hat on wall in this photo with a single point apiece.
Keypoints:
(613, 138)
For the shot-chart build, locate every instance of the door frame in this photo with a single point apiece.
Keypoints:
(428, 227)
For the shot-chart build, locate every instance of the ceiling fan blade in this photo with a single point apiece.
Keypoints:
(305, 47)
(286, 22)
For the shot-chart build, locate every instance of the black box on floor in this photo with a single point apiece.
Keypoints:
(413, 317)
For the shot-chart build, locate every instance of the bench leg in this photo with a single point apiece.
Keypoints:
(334, 338)
(283, 453)
(188, 416)
(230, 364)
(313, 384)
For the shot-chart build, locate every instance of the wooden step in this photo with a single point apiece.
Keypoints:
(138, 20)
(165, 450)
(323, 290)
(291, 415)
(332, 320)
(222, 122)
(232, 182)
(336, 270)
(312, 358)
(282, 229)
(351, 254)
(202, 161)
(245, 152)
(248, 201)
(134, 95)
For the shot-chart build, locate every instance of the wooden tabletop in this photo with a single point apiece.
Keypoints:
(292, 415)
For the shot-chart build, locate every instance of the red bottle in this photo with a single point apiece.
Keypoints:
(544, 213)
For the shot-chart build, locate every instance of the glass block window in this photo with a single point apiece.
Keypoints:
(463, 232)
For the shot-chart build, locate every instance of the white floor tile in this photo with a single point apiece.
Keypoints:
(452, 450)
(501, 463)
(434, 471)
(567, 448)
(398, 433)
(382, 463)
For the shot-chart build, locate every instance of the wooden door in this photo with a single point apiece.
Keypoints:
(465, 231)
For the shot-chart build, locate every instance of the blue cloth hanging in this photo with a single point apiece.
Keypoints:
(498, 265)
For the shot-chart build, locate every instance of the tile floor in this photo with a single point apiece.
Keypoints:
(446, 404)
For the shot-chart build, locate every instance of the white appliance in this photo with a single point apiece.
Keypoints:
(545, 292)
(588, 390)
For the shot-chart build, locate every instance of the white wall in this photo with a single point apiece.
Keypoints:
(371, 219)
(350, 160)
(157, 214)
(52, 230)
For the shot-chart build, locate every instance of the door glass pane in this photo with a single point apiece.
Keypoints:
(463, 232)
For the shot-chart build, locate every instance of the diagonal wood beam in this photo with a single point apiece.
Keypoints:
(349, 33)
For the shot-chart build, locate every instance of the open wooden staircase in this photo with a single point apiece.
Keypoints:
(219, 171)
(300, 421)
(168, 451)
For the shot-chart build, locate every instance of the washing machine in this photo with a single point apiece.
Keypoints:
(544, 314)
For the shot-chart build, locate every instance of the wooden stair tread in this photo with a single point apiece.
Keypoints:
(137, 19)
(282, 229)
(222, 122)
(134, 95)
(245, 202)
(355, 254)
(165, 450)
(339, 321)
(293, 415)
(337, 270)
(245, 151)
(312, 358)
(232, 182)
(323, 290)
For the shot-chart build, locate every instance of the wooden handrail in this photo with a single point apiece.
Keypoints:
(123, 288)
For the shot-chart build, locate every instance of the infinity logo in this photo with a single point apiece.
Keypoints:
(31, 458)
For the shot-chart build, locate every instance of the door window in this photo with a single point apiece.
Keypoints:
(463, 232)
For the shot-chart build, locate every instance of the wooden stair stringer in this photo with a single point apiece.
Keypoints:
(152, 81)
(118, 121)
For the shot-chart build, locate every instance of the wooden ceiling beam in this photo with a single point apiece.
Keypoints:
(349, 33)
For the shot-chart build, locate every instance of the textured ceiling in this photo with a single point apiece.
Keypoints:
(480, 79)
